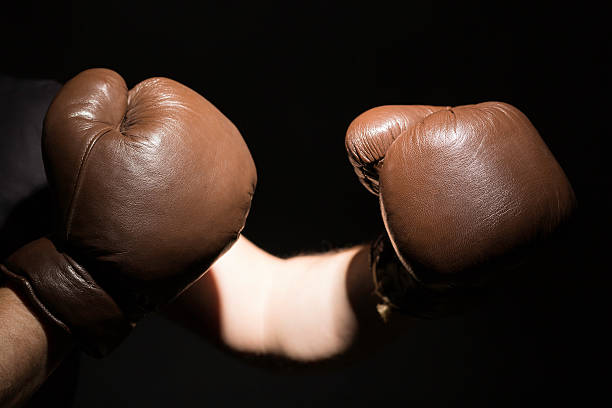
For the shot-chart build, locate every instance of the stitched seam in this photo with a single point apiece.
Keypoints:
(32, 295)
(78, 182)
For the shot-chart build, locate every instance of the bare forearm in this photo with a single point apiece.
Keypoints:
(30, 350)
(324, 308)
(308, 308)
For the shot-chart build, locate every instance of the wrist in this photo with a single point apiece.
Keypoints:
(36, 330)
(309, 315)
(417, 291)
(62, 293)
(31, 348)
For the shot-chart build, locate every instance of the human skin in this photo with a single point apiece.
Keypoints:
(31, 349)
(307, 309)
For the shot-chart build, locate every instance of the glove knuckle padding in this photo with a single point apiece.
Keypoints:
(152, 184)
(470, 183)
(464, 192)
(162, 174)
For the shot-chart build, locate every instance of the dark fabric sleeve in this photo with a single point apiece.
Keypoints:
(26, 209)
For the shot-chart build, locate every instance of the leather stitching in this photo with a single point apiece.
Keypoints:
(78, 182)
(30, 293)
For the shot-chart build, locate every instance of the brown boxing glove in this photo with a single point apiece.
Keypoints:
(462, 190)
(153, 184)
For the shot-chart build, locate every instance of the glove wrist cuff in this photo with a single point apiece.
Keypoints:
(413, 290)
(63, 293)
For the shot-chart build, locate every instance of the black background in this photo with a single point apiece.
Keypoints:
(292, 76)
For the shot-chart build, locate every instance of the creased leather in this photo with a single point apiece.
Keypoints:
(153, 184)
(45, 276)
(371, 134)
(461, 187)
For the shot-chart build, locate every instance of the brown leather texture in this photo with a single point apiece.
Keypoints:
(46, 276)
(399, 289)
(153, 184)
(371, 134)
(460, 186)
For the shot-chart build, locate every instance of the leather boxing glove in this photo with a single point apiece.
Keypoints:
(461, 190)
(153, 184)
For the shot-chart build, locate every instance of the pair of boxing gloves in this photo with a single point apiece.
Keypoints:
(153, 184)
